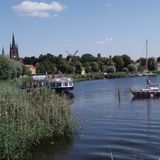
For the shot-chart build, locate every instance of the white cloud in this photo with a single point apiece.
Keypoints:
(38, 9)
(105, 41)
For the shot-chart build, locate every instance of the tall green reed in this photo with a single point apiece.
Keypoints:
(28, 118)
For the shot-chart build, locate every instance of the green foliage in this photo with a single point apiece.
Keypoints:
(9, 69)
(158, 59)
(87, 58)
(70, 69)
(89, 76)
(78, 67)
(94, 67)
(142, 61)
(152, 64)
(116, 75)
(88, 69)
(30, 60)
(132, 68)
(27, 118)
(125, 69)
(119, 62)
(140, 68)
(111, 69)
(126, 59)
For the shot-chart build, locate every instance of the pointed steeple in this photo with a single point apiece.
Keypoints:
(3, 53)
(14, 49)
(13, 41)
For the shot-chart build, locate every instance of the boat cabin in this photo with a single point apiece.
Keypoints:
(61, 84)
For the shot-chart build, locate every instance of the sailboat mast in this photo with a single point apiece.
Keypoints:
(146, 54)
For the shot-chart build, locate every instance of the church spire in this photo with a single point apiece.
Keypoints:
(3, 53)
(13, 41)
(14, 49)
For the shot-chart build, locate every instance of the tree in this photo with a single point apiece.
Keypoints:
(100, 64)
(119, 62)
(30, 60)
(142, 61)
(158, 59)
(78, 67)
(125, 69)
(45, 66)
(126, 59)
(94, 66)
(140, 68)
(87, 58)
(132, 68)
(70, 69)
(111, 69)
(9, 69)
(152, 64)
(110, 62)
(88, 68)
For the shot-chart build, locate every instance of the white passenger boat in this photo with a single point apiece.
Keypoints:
(63, 84)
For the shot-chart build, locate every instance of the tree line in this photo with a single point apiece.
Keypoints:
(73, 64)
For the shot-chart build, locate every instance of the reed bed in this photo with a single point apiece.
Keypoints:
(28, 118)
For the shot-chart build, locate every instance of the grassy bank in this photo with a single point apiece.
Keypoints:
(94, 76)
(28, 118)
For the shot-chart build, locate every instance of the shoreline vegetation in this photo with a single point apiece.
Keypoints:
(100, 75)
(28, 118)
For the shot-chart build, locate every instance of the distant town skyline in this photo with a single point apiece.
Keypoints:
(109, 27)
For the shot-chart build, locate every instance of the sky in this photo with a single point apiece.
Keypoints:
(109, 27)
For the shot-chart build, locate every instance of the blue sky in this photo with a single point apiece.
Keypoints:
(109, 27)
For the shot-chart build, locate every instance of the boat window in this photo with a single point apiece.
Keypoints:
(70, 83)
(58, 84)
(65, 83)
(52, 84)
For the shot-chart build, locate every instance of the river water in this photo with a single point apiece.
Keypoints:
(111, 125)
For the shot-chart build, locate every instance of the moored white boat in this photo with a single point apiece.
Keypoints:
(63, 84)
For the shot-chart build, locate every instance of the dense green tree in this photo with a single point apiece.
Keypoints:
(87, 58)
(111, 69)
(70, 69)
(78, 67)
(45, 67)
(88, 69)
(158, 59)
(152, 64)
(140, 68)
(118, 62)
(110, 62)
(142, 61)
(94, 67)
(9, 68)
(48, 57)
(125, 69)
(126, 59)
(30, 60)
(100, 64)
(132, 68)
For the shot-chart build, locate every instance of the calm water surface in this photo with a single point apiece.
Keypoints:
(111, 127)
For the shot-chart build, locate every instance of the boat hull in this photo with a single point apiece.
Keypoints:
(63, 89)
(145, 94)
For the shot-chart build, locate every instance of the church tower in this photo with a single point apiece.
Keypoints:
(3, 53)
(14, 50)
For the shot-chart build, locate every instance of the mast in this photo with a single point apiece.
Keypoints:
(146, 54)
